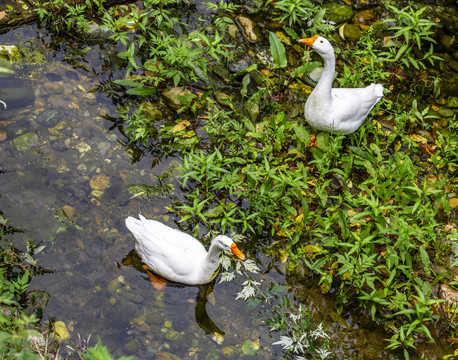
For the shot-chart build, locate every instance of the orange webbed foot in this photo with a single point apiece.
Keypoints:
(158, 282)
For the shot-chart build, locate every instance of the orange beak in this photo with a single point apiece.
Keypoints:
(309, 41)
(235, 250)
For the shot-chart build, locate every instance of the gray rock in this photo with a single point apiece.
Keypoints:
(103, 148)
(48, 118)
(239, 66)
(17, 97)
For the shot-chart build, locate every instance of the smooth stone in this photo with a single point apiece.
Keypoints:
(170, 96)
(103, 148)
(61, 330)
(239, 66)
(131, 347)
(448, 41)
(48, 118)
(453, 64)
(338, 13)
(350, 32)
(252, 110)
(17, 97)
(445, 113)
(152, 111)
(222, 98)
(54, 88)
(248, 26)
(26, 141)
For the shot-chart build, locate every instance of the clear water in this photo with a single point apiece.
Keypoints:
(54, 189)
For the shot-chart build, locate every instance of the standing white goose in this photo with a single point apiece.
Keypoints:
(176, 255)
(338, 109)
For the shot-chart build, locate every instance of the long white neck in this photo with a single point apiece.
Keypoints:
(327, 77)
(211, 261)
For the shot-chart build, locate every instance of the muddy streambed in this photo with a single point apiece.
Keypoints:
(65, 178)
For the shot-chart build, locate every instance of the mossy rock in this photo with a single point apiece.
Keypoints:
(338, 13)
(26, 141)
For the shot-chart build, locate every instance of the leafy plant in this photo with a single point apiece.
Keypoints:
(411, 30)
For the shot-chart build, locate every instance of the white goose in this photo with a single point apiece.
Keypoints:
(338, 109)
(176, 255)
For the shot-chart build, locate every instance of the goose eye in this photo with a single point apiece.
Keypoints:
(321, 41)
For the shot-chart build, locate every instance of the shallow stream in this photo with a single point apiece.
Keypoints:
(65, 177)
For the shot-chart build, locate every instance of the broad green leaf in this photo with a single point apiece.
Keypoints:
(141, 91)
(245, 82)
(302, 134)
(278, 51)
(425, 260)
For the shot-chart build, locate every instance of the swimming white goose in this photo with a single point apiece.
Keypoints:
(338, 109)
(176, 255)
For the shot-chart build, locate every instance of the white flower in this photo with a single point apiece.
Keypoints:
(285, 342)
(248, 290)
(319, 333)
(226, 276)
(323, 353)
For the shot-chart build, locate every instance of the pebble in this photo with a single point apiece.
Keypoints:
(48, 118)
(3, 135)
(248, 28)
(99, 182)
(61, 330)
(103, 148)
(54, 88)
(170, 96)
(132, 347)
(445, 113)
(238, 66)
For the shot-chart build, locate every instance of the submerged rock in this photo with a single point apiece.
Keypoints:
(131, 347)
(17, 97)
(61, 330)
(26, 141)
(152, 111)
(48, 118)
